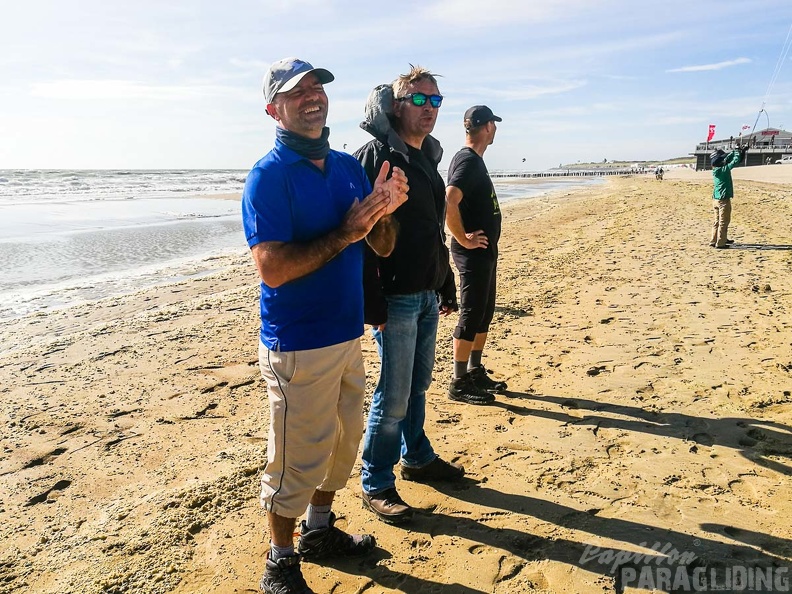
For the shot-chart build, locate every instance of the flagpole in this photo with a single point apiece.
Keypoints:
(758, 115)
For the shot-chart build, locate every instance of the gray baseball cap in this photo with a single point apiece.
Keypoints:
(285, 74)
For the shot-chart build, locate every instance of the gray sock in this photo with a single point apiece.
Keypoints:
(277, 552)
(318, 516)
(475, 359)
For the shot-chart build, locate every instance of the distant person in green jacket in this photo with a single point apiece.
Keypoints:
(722, 193)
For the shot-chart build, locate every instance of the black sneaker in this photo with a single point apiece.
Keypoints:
(481, 379)
(437, 470)
(284, 577)
(464, 390)
(333, 542)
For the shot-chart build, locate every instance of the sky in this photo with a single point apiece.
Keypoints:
(155, 84)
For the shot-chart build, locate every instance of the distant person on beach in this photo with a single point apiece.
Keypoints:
(306, 209)
(406, 293)
(722, 193)
(473, 217)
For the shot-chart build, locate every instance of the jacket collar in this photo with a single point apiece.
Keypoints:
(431, 147)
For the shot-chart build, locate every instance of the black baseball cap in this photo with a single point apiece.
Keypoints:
(480, 115)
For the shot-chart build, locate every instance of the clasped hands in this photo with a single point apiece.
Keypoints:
(387, 196)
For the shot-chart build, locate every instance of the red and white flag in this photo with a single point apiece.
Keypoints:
(744, 128)
(711, 134)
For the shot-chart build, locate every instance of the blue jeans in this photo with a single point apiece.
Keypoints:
(396, 419)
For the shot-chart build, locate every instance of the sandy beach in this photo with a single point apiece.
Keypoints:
(649, 413)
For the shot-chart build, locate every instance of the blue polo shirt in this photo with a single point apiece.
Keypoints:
(287, 198)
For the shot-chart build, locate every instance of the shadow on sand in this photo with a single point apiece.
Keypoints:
(652, 550)
(757, 440)
(759, 246)
(649, 550)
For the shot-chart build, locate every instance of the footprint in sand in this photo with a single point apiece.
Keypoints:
(41, 460)
(766, 444)
(42, 497)
(704, 439)
(744, 490)
(529, 547)
(508, 568)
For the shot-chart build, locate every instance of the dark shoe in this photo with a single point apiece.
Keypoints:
(437, 470)
(730, 241)
(388, 506)
(481, 379)
(284, 577)
(464, 390)
(722, 247)
(332, 542)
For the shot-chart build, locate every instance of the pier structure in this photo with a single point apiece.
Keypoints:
(572, 172)
(765, 147)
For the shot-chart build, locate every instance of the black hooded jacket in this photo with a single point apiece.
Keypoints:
(419, 261)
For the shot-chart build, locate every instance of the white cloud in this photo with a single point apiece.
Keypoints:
(177, 71)
(673, 120)
(473, 14)
(249, 65)
(98, 90)
(622, 77)
(297, 6)
(518, 91)
(716, 66)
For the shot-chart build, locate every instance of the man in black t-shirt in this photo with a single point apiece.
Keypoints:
(474, 219)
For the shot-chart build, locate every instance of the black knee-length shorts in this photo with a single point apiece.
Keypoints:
(477, 288)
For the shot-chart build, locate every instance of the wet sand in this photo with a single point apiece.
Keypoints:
(650, 403)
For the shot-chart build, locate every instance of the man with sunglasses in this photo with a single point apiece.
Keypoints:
(305, 210)
(473, 216)
(405, 294)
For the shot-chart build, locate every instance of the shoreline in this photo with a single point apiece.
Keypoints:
(39, 299)
(651, 401)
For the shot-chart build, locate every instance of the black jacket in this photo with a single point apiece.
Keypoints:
(419, 261)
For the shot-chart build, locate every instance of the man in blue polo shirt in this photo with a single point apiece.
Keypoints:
(306, 210)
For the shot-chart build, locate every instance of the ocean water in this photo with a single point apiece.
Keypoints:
(71, 236)
(509, 189)
(68, 237)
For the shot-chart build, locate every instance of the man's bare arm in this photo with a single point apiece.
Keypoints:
(471, 241)
(382, 237)
(279, 262)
